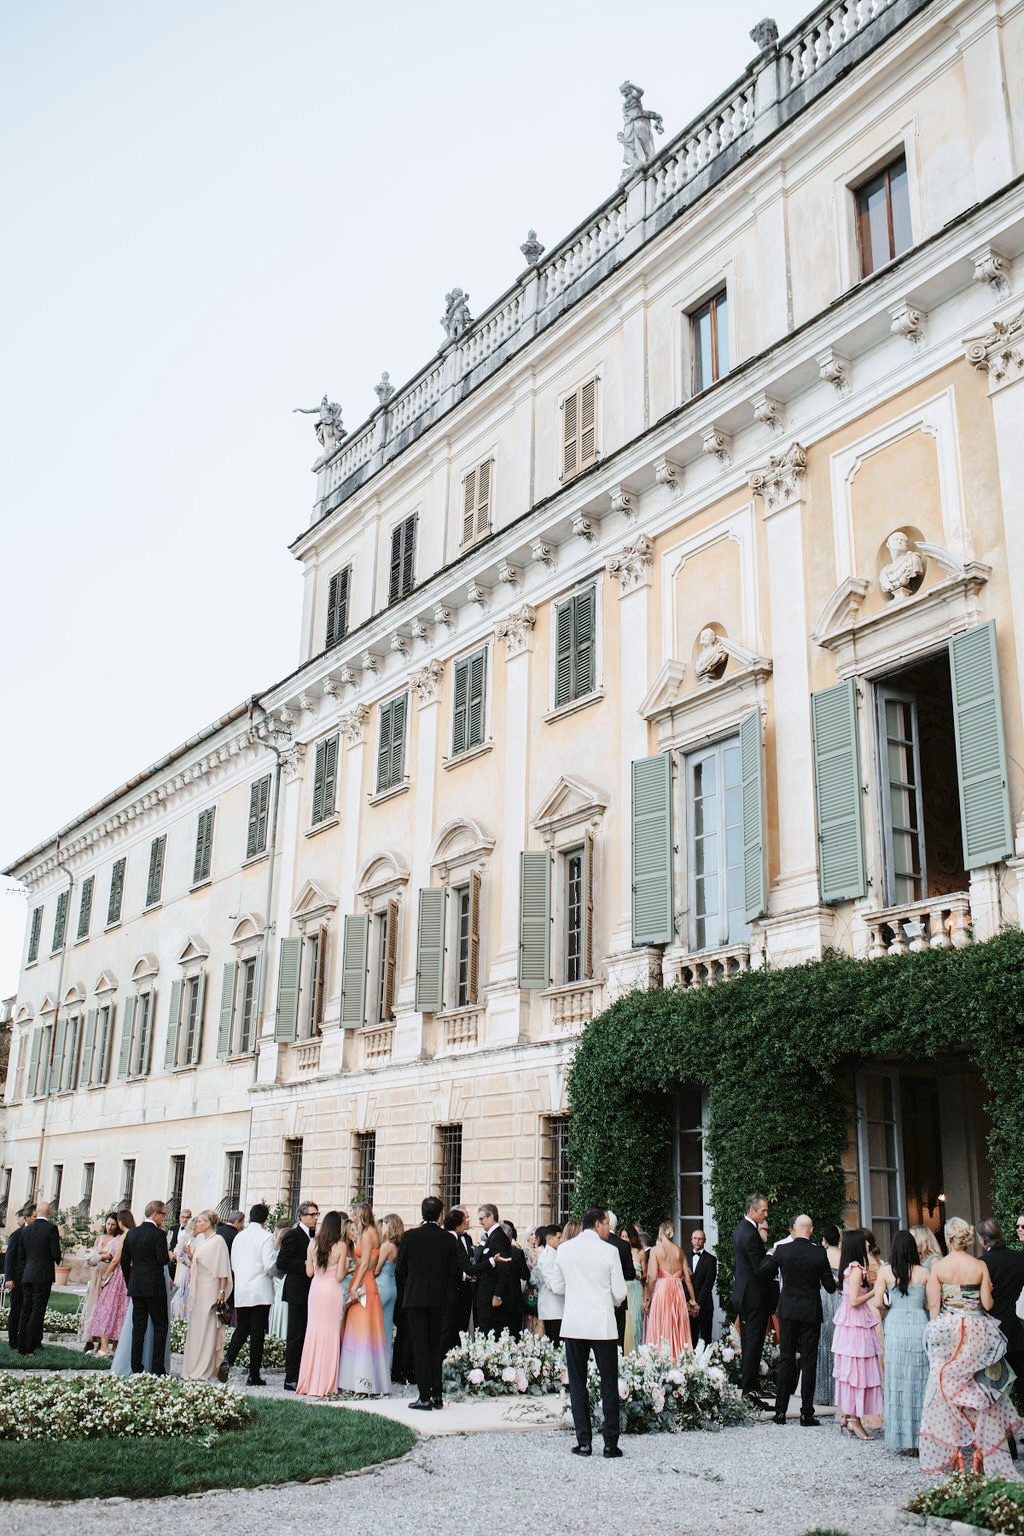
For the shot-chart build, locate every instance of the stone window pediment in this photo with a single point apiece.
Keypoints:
(568, 808)
(383, 875)
(248, 928)
(194, 951)
(145, 967)
(713, 710)
(106, 982)
(48, 1004)
(460, 843)
(314, 901)
(74, 997)
(24, 1015)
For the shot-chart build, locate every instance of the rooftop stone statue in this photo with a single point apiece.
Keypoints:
(637, 137)
(328, 426)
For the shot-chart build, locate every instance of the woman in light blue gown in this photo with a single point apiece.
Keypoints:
(900, 1294)
(392, 1230)
(121, 1365)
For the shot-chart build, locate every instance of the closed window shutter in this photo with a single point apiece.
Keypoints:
(469, 507)
(837, 792)
(36, 930)
(107, 1051)
(197, 1043)
(173, 1028)
(319, 980)
(460, 707)
(57, 1072)
(588, 905)
(483, 498)
(337, 605)
(204, 846)
(534, 919)
(398, 711)
(570, 438)
(980, 748)
(156, 871)
(85, 907)
(88, 1048)
(60, 921)
(473, 988)
(477, 682)
(355, 943)
(409, 556)
(752, 777)
(146, 1044)
(116, 892)
(584, 605)
(588, 423)
(430, 950)
(33, 1064)
(395, 573)
(330, 790)
(564, 616)
(227, 1010)
(391, 960)
(653, 904)
(289, 973)
(127, 1029)
(259, 805)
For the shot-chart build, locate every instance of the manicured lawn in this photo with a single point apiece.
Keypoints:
(51, 1357)
(284, 1442)
(64, 1301)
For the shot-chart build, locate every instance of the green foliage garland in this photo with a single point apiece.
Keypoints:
(774, 1048)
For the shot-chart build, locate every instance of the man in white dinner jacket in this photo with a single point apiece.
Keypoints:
(588, 1273)
(253, 1261)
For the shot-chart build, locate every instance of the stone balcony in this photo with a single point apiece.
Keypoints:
(941, 922)
(461, 1030)
(377, 1046)
(570, 1007)
(688, 971)
(301, 1060)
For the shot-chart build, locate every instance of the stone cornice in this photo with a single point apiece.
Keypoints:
(999, 351)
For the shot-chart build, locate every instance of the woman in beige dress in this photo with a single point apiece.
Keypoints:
(210, 1283)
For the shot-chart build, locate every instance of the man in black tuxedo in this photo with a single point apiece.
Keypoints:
(749, 1295)
(426, 1271)
(41, 1246)
(144, 1261)
(804, 1268)
(625, 1254)
(492, 1265)
(704, 1268)
(230, 1227)
(460, 1299)
(1007, 1270)
(291, 1262)
(14, 1270)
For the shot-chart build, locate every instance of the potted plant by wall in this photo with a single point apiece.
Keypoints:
(76, 1233)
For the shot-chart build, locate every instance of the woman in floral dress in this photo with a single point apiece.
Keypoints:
(112, 1306)
(99, 1262)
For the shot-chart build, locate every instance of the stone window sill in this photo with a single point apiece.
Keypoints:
(574, 705)
(390, 793)
(199, 884)
(448, 763)
(322, 826)
(256, 858)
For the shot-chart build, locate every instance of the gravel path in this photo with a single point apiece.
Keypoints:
(757, 1481)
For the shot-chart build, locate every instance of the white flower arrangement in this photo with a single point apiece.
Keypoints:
(485, 1366)
(659, 1394)
(103, 1407)
(273, 1347)
(729, 1350)
(63, 1323)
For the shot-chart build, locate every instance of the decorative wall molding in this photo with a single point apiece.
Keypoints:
(999, 351)
(544, 554)
(353, 723)
(510, 575)
(668, 473)
(517, 630)
(834, 369)
(571, 803)
(583, 528)
(717, 445)
(992, 268)
(633, 565)
(426, 683)
(780, 481)
(769, 412)
(908, 322)
(621, 501)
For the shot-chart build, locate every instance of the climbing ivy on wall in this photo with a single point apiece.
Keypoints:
(773, 1048)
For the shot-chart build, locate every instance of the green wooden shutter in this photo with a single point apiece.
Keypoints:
(460, 707)
(430, 950)
(33, 1064)
(330, 776)
(197, 1043)
(146, 1051)
(755, 894)
(534, 919)
(319, 779)
(173, 1028)
(57, 1070)
(286, 1024)
(204, 846)
(563, 653)
(127, 1027)
(408, 555)
(980, 747)
(398, 714)
(653, 903)
(837, 792)
(584, 615)
(88, 1047)
(477, 684)
(227, 1009)
(385, 714)
(154, 883)
(355, 946)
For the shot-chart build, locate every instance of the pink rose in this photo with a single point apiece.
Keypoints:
(476, 1377)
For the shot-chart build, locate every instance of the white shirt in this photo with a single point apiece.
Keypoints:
(588, 1273)
(253, 1262)
(550, 1303)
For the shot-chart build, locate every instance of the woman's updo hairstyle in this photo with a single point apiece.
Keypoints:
(959, 1234)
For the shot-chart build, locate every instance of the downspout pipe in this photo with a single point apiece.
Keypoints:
(53, 1031)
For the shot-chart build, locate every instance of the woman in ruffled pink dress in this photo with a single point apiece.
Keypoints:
(855, 1342)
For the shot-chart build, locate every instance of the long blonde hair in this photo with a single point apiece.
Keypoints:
(927, 1242)
(363, 1216)
(392, 1229)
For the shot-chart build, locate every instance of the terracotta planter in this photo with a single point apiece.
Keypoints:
(61, 1274)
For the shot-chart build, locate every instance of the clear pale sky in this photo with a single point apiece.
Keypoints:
(213, 212)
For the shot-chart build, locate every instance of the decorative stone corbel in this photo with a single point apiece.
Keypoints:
(780, 480)
(371, 663)
(717, 445)
(583, 528)
(291, 760)
(516, 630)
(908, 322)
(667, 473)
(426, 683)
(543, 554)
(632, 565)
(834, 369)
(991, 268)
(308, 701)
(419, 630)
(479, 595)
(334, 686)
(510, 575)
(444, 616)
(999, 351)
(353, 724)
(768, 411)
(399, 643)
(622, 501)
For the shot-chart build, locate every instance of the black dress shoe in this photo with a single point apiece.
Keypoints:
(582, 1450)
(811, 1423)
(223, 1371)
(437, 1402)
(611, 1452)
(290, 1386)
(423, 1403)
(778, 1418)
(758, 1402)
(255, 1381)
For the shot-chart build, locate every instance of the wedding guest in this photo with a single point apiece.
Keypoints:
(550, 1305)
(588, 1273)
(180, 1269)
(825, 1391)
(516, 1277)
(772, 1286)
(570, 1230)
(628, 1272)
(750, 1295)
(635, 1285)
(392, 1230)
(704, 1269)
(291, 1263)
(98, 1262)
(805, 1274)
(210, 1284)
(668, 1309)
(40, 1244)
(927, 1245)
(229, 1228)
(111, 1310)
(175, 1239)
(1007, 1271)
(427, 1268)
(855, 1344)
(492, 1254)
(900, 1297)
(459, 1305)
(277, 1326)
(365, 1364)
(14, 1269)
(253, 1262)
(327, 1268)
(144, 1260)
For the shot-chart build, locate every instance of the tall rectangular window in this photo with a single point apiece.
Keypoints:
(58, 1185)
(259, 817)
(709, 343)
(104, 1044)
(574, 915)
(385, 961)
(402, 572)
(85, 907)
(127, 1183)
(468, 703)
(155, 878)
(325, 780)
(142, 1042)
(463, 946)
(314, 961)
(248, 985)
(5, 1195)
(365, 1171)
(561, 1180)
(883, 216)
(476, 503)
(391, 743)
(906, 877)
(88, 1180)
(450, 1147)
(579, 429)
(715, 846)
(575, 626)
(34, 933)
(60, 922)
(204, 846)
(69, 1067)
(177, 1174)
(233, 1190)
(192, 1017)
(691, 1191)
(33, 1183)
(337, 606)
(293, 1176)
(116, 893)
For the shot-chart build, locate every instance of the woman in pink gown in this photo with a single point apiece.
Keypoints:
(668, 1311)
(112, 1306)
(327, 1267)
(364, 1365)
(856, 1346)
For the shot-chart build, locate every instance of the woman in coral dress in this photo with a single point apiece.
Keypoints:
(327, 1267)
(856, 1347)
(364, 1366)
(112, 1306)
(668, 1312)
(210, 1282)
(967, 1400)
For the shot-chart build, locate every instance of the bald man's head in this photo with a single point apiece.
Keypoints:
(803, 1226)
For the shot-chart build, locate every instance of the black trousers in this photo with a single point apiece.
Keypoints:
(424, 1325)
(620, 1323)
(147, 1309)
(14, 1300)
(797, 1338)
(455, 1318)
(577, 1358)
(250, 1327)
(35, 1294)
(752, 1330)
(298, 1311)
(553, 1329)
(489, 1319)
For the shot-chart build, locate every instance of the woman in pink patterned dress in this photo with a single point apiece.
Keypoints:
(855, 1342)
(108, 1317)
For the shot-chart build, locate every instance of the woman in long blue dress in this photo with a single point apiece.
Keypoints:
(392, 1230)
(121, 1365)
(900, 1288)
(825, 1389)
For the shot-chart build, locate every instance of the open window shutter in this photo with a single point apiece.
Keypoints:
(570, 429)
(563, 652)
(430, 950)
(146, 1053)
(289, 970)
(127, 1030)
(33, 1064)
(483, 497)
(837, 791)
(108, 1045)
(588, 904)
(469, 507)
(588, 422)
(319, 778)
(980, 748)
(534, 919)
(88, 1047)
(391, 960)
(653, 905)
(398, 711)
(752, 776)
(197, 1041)
(227, 1009)
(477, 681)
(320, 979)
(386, 717)
(60, 1041)
(173, 1028)
(460, 707)
(474, 936)
(584, 616)
(355, 943)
